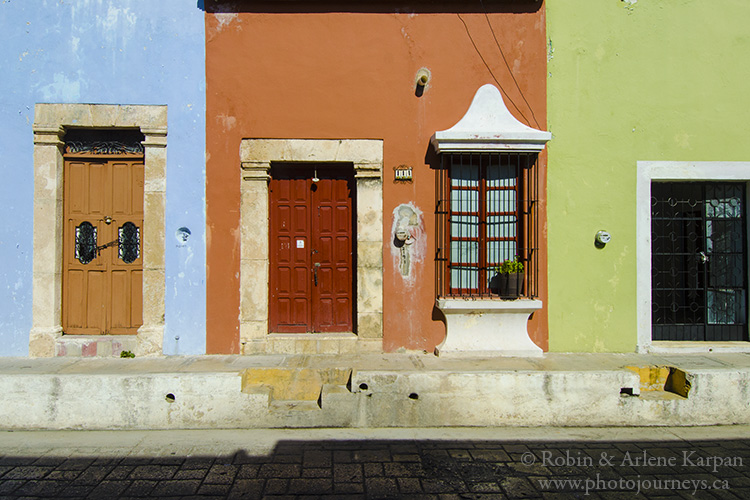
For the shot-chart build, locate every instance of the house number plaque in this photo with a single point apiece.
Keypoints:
(402, 173)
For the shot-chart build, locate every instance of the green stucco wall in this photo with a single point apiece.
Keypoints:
(629, 81)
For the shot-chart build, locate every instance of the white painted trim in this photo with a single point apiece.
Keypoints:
(648, 171)
(677, 347)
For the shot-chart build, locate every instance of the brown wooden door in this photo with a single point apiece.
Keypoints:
(102, 245)
(311, 278)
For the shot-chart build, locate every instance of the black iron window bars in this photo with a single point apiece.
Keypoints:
(487, 207)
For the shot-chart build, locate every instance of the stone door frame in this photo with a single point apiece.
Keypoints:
(256, 157)
(50, 123)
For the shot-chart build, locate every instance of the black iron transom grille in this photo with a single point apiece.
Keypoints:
(487, 212)
(103, 141)
(699, 256)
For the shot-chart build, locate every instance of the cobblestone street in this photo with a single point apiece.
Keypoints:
(371, 465)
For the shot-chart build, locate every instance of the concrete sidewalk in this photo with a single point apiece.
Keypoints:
(258, 442)
(374, 390)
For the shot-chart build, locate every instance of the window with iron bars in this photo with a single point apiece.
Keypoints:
(487, 213)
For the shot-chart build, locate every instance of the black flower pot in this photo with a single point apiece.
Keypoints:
(507, 286)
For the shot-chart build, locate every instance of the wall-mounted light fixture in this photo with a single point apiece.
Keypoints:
(601, 239)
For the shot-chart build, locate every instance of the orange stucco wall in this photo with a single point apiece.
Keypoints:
(314, 72)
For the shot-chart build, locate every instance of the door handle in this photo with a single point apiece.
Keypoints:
(315, 272)
(112, 243)
(704, 257)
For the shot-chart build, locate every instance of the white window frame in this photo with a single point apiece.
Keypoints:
(648, 172)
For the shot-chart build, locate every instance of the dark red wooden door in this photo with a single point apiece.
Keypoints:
(311, 278)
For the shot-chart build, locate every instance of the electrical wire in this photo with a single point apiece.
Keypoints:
(507, 96)
(487, 18)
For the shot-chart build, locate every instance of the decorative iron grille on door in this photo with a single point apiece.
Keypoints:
(487, 212)
(699, 261)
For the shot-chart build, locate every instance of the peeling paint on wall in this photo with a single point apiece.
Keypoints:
(327, 48)
(676, 56)
(62, 89)
(228, 122)
(104, 51)
(630, 4)
(225, 19)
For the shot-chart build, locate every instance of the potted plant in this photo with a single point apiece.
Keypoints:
(508, 282)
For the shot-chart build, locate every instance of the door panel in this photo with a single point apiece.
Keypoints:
(120, 293)
(290, 227)
(137, 172)
(311, 249)
(120, 197)
(333, 230)
(77, 185)
(102, 275)
(699, 261)
(76, 298)
(96, 301)
(97, 189)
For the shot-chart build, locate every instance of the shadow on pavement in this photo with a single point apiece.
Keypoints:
(397, 469)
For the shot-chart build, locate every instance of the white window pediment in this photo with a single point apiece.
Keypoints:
(489, 126)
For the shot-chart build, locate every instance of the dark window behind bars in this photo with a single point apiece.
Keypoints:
(487, 212)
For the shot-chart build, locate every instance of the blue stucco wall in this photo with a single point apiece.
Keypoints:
(113, 52)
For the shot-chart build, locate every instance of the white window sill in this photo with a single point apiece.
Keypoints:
(496, 327)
